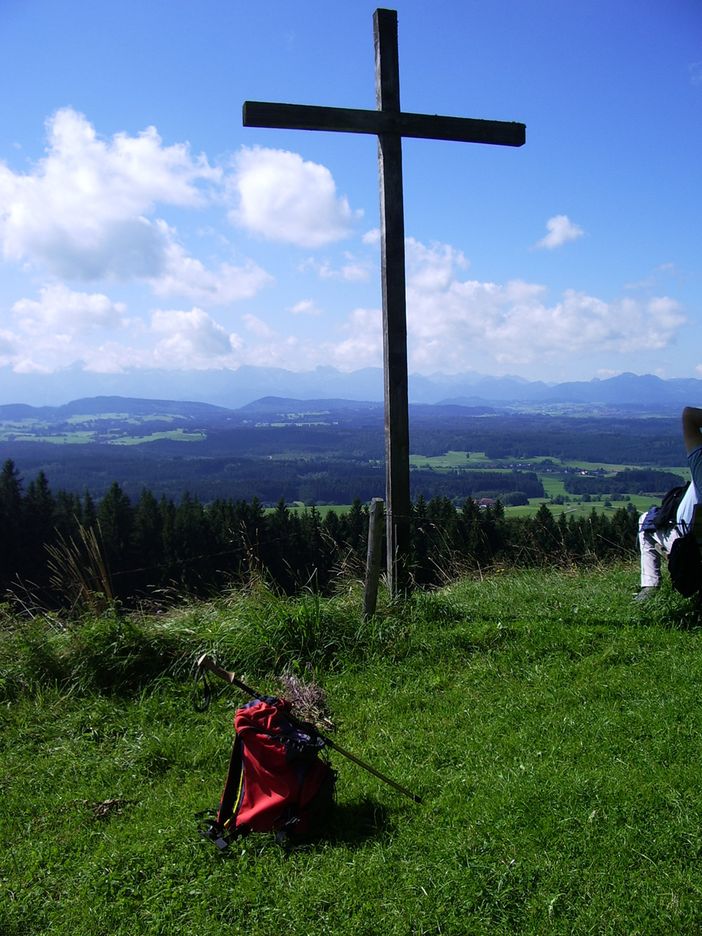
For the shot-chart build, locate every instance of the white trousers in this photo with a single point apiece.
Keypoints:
(653, 545)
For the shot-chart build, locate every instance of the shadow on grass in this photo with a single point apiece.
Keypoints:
(354, 824)
(688, 617)
(351, 825)
(673, 612)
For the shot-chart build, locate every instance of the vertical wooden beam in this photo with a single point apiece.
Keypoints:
(373, 557)
(392, 239)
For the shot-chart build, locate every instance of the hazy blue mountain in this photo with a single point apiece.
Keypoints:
(103, 405)
(221, 387)
(234, 389)
(273, 405)
(624, 390)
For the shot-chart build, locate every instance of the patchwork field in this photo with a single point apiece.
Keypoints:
(282, 448)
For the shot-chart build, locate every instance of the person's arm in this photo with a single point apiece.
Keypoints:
(692, 428)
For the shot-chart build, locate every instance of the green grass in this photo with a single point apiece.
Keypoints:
(553, 486)
(449, 460)
(456, 459)
(550, 724)
(174, 435)
(80, 437)
(577, 508)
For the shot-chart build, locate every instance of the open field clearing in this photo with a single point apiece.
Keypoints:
(174, 435)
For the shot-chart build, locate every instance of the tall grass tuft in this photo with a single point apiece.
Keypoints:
(258, 633)
(79, 571)
(254, 630)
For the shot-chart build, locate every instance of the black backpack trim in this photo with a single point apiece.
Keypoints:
(685, 564)
(665, 517)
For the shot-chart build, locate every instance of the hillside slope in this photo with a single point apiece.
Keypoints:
(550, 724)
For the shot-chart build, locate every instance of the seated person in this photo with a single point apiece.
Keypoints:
(656, 543)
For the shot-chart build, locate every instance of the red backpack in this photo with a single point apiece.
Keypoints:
(276, 781)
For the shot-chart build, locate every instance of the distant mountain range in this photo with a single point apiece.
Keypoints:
(234, 389)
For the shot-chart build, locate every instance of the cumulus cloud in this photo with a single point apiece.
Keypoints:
(363, 346)
(256, 326)
(62, 310)
(455, 323)
(191, 340)
(282, 197)
(173, 339)
(82, 210)
(351, 270)
(58, 329)
(560, 230)
(186, 276)
(304, 307)
(64, 328)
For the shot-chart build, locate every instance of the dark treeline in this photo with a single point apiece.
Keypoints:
(153, 544)
(638, 481)
(318, 464)
(309, 480)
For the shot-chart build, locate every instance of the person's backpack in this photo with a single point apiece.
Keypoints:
(276, 780)
(665, 517)
(685, 564)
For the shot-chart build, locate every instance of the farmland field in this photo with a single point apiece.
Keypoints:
(551, 472)
(282, 449)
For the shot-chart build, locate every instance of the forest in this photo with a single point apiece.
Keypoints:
(632, 481)
(316, 452)
(60, 547)
(133, 498)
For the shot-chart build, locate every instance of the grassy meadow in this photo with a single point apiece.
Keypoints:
(550, 723)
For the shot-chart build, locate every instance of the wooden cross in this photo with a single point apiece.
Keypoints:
(390, 124)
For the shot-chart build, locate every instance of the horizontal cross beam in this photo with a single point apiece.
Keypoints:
(351, 120)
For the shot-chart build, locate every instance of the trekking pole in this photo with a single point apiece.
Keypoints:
(207, 663)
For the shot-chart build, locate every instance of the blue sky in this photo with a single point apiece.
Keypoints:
(143, 228)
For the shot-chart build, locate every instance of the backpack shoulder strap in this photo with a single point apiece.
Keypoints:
(233, 788)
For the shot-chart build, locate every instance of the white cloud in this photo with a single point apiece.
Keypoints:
(650, 281)
(282, 197)
(69, 329)
(351, 270)
(58, 329)
(454, 324)
(433, 267)
(305, 307)
(256, 326)
(364, 345)
(192, 340)
(81, 211)
(62, 310)
(188, 277)
(560, 230)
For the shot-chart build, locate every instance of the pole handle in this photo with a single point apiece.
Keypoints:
(207, 663)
